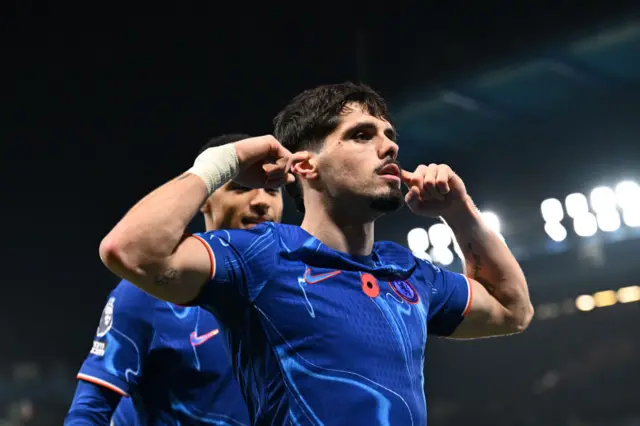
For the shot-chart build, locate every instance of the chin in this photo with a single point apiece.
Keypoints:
(389, 202)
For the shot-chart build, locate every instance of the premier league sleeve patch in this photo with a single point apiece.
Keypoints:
(406, 291)
(106, 320)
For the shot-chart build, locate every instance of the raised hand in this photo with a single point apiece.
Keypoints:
(265, 163)
(433, 189)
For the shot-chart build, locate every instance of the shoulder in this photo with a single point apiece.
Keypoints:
(397, 256)
(239, 237)
(126, 296)
(389, 247)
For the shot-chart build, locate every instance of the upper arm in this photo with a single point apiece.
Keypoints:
(450, 299)
(92, 405)
(486, 317)
(122, 340)
(462, 308)
(178, 278)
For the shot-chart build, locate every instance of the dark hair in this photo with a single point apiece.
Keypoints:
(313, 114)
(223, 140)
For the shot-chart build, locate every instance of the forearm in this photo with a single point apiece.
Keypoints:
(154, 227)
(489, 261)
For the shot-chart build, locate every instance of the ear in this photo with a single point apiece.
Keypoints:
(307, 167)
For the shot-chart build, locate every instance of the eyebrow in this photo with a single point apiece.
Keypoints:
(389, 132)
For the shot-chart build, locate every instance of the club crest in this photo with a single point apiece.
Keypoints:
(406, 291)
(106, 320)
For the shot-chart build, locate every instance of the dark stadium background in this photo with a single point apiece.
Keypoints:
(526, 100)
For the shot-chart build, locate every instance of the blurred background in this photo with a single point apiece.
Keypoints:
(534, 104)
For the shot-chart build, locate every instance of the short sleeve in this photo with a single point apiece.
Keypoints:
(121, 341)
(242, 262)
(450, 299)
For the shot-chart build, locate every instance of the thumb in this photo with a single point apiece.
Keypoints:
(413, 197)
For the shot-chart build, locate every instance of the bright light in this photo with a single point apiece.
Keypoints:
(603, 199)
(585, 225)
(605, 298)
(576, 204)
(440, 235)
(585, 303)
(629, 294)
(628, 194)
(551, 210)
(631, 216)
(418, 240)
(492, 221)
(555, 231)
(608, 221)
(442, 255)
(422, 255)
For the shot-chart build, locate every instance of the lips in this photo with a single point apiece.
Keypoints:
(390, 170)
(254, 220)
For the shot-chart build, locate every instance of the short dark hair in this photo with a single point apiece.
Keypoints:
(313, 114)
(223, 140)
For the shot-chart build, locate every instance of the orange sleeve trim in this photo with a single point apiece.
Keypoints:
(469, 297)
(102, 383)
(212, 258)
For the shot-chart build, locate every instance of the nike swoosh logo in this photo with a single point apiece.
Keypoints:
(198, 340)
(315, 279)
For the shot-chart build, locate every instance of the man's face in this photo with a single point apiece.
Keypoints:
(358, 161)
(235, 207)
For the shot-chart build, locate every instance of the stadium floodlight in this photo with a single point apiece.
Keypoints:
(585, 225)
(603, 199)
(605, 298)
(628, 195)
(585, 303)
(628, 294)
(631, 216)
(576, 204)
(442, 255)
(608, 221)
(555, 231)
(551, 210)
(440, 235)
(423, 255)
(418, 240)
(492, 221)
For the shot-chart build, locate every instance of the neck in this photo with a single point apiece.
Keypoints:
(347, 236)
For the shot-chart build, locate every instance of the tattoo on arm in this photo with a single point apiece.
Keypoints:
(167, 277)
(478, 268)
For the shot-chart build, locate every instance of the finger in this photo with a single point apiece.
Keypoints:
(279, 150)
(429, 190)
(296, 158)
(291, 178)
(413, 193)
(421, 172)
(407, 177)
(443, 175)
(274, 169)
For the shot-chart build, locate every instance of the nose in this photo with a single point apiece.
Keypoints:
(388, 148)
(259, 202)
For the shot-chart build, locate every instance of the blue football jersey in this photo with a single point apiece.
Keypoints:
(319, 337)
(169, 360)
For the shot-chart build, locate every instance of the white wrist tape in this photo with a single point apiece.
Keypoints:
(216, 166)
